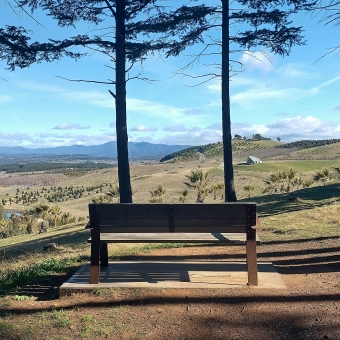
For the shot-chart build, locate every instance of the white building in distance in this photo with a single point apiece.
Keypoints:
(253, 160)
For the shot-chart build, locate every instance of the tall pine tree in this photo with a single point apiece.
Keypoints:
(126, 43)
(256, 24)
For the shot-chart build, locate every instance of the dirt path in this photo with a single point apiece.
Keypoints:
(309, 308)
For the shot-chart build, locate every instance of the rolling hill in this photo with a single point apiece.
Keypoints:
(264, 149)
(141, 150)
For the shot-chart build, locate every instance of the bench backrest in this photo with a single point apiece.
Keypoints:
(179, 218)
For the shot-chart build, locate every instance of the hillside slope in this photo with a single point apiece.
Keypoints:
(273, 150)
(241, 148)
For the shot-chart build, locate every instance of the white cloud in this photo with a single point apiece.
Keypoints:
(153, 109)
(281, 114)
(175, 128)
(216, 126)
(35, 86)
(191, 138)
(102, 99)
(143, 128)
(193, 112)
(257, 60)
(292, 70)
(263, 93)
(235, 82)
(290, 129)
(93, 97)
(195, 129)
(214, 88)
(142, 139)
(65, 126)
(329, 82)
(14, 138)
(4, 99)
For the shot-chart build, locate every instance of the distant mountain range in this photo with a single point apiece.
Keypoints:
(141, 150)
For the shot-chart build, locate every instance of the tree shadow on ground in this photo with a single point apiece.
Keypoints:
(310, 198)
(201, 318)
(75, 239)
(303, 261)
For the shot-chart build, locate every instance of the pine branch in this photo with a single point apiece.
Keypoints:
(112, 94)
(111, 8)
(88, 81)
(23, 9)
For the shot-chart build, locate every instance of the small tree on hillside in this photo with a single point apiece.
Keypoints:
(249, 189)
(324, 176)
(200, 183)
(157, 194)
(285, 181)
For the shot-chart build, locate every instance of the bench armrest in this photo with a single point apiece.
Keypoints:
(258, 224)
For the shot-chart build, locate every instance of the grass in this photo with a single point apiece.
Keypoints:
(280, 220)
(303, 221)
(11, 279)
(313, 216)
(23, 297)
(52, 231)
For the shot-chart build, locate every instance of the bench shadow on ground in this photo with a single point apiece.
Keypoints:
(310, 198)
(302, 261)
(306, 261)
(292, 261)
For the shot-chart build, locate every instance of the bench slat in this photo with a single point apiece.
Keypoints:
(173, 238)
(210, 214)
(129, 207)
(134, 229)
(134, 222)
(179, 222)
(178, 229)
(140, 214)
(214, 210)
(213, 222)
(195, 228)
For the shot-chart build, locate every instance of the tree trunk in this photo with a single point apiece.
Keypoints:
(229, 186)
(121, 126)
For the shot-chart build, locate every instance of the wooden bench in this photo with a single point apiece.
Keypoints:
(162, 223)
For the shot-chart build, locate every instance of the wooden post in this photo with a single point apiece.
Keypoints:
(104, 255)
(95, 250)
(251, 257)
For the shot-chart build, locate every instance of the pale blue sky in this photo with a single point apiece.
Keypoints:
(293, 97)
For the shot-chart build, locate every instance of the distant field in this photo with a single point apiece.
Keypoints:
(143, 179)
(298, 165)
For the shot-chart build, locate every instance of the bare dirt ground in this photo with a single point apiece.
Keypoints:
(309, 307)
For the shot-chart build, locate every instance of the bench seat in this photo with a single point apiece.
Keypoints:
(216, 238)
(217, 223)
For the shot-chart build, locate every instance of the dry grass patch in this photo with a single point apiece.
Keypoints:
(303, 224)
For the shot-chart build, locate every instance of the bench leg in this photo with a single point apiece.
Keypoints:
(95, 250)
(251, 257)
(104, 256)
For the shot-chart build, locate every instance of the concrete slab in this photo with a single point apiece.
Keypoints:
(184, 274)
